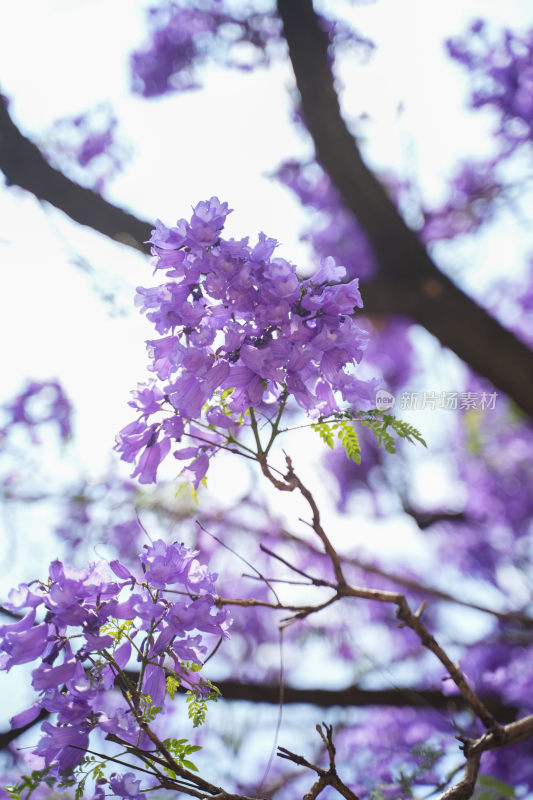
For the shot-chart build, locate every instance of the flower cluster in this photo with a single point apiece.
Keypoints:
(504, 75)
(238, 330)
(183, 37)
(473, 191)
(41, 401)
(94, 623)
(87, 147)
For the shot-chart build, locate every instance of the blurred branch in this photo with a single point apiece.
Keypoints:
(408, 281)
(425, 519)
(397, 697)
(24, 165)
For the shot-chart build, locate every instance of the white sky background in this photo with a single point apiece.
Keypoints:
(61, 57)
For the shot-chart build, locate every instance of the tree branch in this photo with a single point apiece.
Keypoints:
(408, 282)
(325, 778)
(24, 165)
(427, 699)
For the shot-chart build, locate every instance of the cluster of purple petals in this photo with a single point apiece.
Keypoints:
(86, 146)
(41, 402)
(503, 75)
(238, 329)
(497, 473)
(170, 606)
(184, 35)
(471, 202)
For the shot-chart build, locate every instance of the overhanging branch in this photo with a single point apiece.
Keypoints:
(24, 165)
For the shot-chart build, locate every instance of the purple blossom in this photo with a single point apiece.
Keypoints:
(41, 402)
(81, 609)
(473, 191)
(125, 785)
(239, 329)
(183, 38)
(503, 79)
(166, 564)
(86, 147)
(62, 746)
(26, 716)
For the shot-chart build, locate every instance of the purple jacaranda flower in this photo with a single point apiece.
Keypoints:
(99, 791)
(23, 624)
(502, 75)
(131, 439)
(24, 646)
(150, 459)
(62, 747)
(154, 683)
(168, 238)
(125, 785)
(23, 597)
(122, 724)
(95, 643)
(183, 38)
(121, 571)
(41, 402)
(25, 717)
(207, 221)
(79, 650)
(264, 248)
(246, 331)
(86, 147)
(196, 471)
(122, 654)
(147, 398)
(45, 677)
(166, 564)
(162, 643)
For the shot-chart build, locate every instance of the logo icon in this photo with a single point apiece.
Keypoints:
(384, 400)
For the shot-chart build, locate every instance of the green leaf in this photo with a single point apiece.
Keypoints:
(324, 431)
(172, 685)
(350, 441)
(189, 765)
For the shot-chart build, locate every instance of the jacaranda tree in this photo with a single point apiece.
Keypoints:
(164, 604)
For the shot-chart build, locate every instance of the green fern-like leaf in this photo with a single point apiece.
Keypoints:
(324, 430)
(172, 685)
(350, 441)
(379, 429)
(197, 709)
(404, 430)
